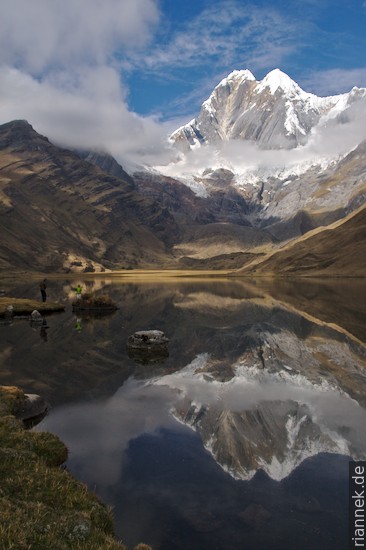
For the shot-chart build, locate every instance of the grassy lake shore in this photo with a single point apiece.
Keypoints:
(24, 306)
(42, 505)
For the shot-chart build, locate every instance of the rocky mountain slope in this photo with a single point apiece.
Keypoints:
(79, 210)
(298, 160)
(62, 210)
(58, 211)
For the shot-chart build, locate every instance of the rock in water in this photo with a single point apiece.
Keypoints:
(148, 346)
(153, 339)
(36, 316)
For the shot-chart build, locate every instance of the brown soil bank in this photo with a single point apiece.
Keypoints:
(42, 505)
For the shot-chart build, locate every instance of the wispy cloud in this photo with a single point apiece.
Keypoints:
(228, 33)
(334, 81)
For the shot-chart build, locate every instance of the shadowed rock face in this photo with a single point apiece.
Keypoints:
(106, 163)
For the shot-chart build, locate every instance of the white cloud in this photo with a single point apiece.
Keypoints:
(328, 141)
(89, 112)
(59, 69)
(61, 60)
(41, 34)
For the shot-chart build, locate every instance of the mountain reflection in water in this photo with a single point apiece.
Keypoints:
(240, 438)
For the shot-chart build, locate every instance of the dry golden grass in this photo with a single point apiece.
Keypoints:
(337, 250)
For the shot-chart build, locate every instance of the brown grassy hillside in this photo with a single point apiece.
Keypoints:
(56, 209)
(338, 250)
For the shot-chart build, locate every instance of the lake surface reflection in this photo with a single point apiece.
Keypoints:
(241, 438)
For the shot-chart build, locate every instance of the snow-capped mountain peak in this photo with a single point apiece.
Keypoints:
(236, 76)
(278, 79)
(274, 112)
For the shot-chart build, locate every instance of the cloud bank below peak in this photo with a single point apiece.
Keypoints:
(327, 142)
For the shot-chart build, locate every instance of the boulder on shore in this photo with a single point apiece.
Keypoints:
(33, 405)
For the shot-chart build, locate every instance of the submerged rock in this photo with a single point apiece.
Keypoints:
(148, 346)
(148, 339)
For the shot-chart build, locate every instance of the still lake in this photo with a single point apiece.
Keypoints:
(240, 439)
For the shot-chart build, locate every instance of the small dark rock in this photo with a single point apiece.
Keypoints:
(9, 313)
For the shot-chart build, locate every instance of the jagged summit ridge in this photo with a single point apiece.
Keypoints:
(274, 112)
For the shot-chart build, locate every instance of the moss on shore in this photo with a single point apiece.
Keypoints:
(24, 306)
(42, 505)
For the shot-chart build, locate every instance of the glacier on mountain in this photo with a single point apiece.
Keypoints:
(274, 112)
(260, 130)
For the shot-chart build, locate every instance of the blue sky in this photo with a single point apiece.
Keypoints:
(122, 74)
(321, 44)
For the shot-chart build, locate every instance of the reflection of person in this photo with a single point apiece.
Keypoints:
(43, 331)
(78, 291)
(43, 286)
(78, 324)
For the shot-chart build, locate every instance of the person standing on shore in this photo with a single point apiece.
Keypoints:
(43, 286)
